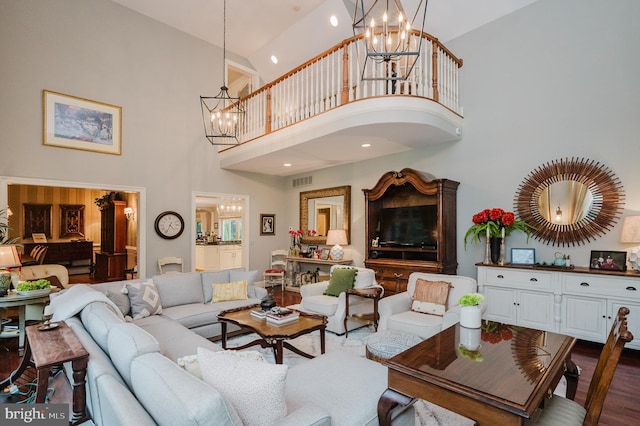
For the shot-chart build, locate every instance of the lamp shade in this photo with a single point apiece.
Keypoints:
(9, 257)
(630, 230)
(337, 236)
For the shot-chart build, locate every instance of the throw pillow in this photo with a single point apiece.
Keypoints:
(191, 364)
(143, 298)
(430, 297)
(341, 280)
(235, 290)
(256, 389)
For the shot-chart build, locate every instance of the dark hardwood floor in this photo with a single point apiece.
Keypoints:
(622, 406)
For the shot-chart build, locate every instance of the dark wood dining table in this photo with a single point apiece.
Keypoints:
(503, 382)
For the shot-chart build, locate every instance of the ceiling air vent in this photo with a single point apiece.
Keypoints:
(303, 181)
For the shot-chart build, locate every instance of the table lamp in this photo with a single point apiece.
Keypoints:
(337, 237)
(9, 258)
(631, 234)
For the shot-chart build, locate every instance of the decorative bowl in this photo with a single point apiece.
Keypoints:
(41, 292)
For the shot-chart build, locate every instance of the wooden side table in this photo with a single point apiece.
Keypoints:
(47, 349)
(368, 293)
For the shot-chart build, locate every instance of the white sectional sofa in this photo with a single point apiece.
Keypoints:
(133, 377)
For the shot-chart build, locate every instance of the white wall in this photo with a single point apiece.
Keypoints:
(98, 50)
(555, 79)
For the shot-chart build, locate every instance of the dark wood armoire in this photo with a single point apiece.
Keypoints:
(111, 261)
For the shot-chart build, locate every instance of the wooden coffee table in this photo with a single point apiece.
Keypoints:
(273, 336)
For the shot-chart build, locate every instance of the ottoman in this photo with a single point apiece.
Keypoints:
(386, 344)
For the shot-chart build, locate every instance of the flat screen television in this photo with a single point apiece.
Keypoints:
(415, 226)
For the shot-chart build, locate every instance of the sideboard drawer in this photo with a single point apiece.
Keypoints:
(609, 286)
(514, 278)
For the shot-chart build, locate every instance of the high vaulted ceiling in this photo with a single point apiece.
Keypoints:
(297, 30)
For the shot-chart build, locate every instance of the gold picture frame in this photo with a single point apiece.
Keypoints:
(77, 123)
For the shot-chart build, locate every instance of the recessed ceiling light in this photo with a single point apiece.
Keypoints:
(287, 164)
(366, 145)
(274, 59)
(333, 20)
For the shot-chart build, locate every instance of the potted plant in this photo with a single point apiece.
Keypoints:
(495, 223)
(470, 310)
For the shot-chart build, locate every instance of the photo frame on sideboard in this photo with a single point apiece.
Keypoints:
(523, 256)
(608, 260)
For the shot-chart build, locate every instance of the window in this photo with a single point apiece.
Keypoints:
(231, 229)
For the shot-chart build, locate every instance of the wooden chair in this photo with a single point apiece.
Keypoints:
(170, 262)
(562, 411)
(275, 275)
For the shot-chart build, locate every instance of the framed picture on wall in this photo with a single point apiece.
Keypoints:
(37, 220)
(267, 224)
(71, 220)
(608, 260)
(77, 123)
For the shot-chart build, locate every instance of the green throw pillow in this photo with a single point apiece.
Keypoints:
(341, 280)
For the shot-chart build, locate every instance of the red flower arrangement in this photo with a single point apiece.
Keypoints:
(493, 222)
(296, 235)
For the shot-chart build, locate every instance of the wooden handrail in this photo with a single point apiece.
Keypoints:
(328, 81)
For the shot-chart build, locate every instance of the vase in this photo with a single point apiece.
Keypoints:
(494, 243)
(470, 338)
(471, 316)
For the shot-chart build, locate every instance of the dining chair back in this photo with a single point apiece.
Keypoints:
(563, 411)
(171, 265)
(38, 253)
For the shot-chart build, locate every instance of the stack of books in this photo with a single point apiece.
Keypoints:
(259, 314)
(283, 316)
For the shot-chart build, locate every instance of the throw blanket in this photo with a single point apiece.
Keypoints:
(68, 303)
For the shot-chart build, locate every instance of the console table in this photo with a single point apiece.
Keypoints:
(294, 262)
(578, 301)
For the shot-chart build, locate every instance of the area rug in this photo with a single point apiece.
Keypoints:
(427, 414)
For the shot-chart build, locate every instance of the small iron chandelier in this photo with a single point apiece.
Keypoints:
(389, 36)
(221, 114)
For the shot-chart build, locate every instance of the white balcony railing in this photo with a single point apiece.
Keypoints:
(334, 78)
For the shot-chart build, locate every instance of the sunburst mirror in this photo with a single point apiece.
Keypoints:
(570, 201)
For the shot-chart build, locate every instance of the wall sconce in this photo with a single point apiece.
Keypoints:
(558, 215)
(128, 212)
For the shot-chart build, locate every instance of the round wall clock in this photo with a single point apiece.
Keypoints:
(169, 225)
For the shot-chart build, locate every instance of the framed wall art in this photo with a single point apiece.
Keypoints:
(267, 224)
(71, 122)
(523, 256)
(608, 260)
(71, 220)
(37, 220)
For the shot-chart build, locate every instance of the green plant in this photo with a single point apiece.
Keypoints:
(4, 229)
(471, 299)
(492, 222)
(33, 285)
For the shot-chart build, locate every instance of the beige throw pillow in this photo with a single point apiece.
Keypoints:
(430, 297)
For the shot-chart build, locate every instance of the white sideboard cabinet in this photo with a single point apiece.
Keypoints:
(579, 302)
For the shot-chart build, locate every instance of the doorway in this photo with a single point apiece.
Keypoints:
(241, 80)
(221, 231)
(53, 193)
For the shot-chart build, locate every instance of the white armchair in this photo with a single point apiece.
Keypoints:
(314, 301)
(396, 314)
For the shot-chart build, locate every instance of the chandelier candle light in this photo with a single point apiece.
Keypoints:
(221, 114)
(389, 37)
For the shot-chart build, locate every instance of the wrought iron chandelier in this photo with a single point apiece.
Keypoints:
(221, 114)
(390, 36)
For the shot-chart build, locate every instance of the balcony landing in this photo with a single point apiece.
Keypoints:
(391, 124)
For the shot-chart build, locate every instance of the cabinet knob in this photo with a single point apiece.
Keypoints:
(500, 276)
(533, 279)
(583, 284)
(398, 274)
(631, 288)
